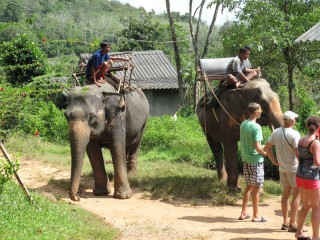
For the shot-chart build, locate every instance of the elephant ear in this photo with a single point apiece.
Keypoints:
(236, 104)
(121, 105)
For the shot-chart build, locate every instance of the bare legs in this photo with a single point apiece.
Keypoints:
(255, 201)
(294, 204)
(303, 212)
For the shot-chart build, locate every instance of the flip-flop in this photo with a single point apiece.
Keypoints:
(304, 238)
(245, 217)
(284, 227)
(261, 219)
(294, 229)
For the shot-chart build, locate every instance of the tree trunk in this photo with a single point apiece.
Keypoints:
(176, 53)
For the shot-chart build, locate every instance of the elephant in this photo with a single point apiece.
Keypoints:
(221, 124)
(101, 117)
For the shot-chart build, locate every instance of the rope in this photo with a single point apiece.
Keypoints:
(206, 79)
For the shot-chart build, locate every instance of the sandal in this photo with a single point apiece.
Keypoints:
(285, 227)
(304, 238)
(245, 217)
(292, 228)
(261, 219)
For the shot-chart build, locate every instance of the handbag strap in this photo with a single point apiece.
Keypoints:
(286, 138)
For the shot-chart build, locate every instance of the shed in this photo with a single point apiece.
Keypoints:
(156, 76)
(313, 34)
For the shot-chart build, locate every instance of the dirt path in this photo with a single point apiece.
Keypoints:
(141, 219)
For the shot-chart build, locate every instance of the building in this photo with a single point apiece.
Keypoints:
(156, 76)
(313, 34)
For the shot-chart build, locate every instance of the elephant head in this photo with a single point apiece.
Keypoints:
(258, 91)
(221, 124)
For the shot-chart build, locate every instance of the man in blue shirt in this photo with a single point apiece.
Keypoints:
(100, 63)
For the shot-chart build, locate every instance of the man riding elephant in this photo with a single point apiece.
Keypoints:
(239, 70)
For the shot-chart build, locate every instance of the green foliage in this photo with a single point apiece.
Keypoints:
(22, 60)
(13, 101)
(6, 171)
(44, 119)
(30, 109)
(141, 33)
(306, 107)
(47, 220)
(180, 140)
(270, 28)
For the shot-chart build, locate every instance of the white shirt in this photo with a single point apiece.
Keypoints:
(285, 154)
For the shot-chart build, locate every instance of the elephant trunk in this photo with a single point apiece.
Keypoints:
(276, 119)
(79, 134)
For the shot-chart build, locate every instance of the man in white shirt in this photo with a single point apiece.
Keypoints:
(285, 140)
(239, 70)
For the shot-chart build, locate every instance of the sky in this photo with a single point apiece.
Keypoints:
(182, 6)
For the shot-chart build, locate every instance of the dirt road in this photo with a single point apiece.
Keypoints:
(140, 218)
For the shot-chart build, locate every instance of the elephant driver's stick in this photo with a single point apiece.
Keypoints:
(24, 188)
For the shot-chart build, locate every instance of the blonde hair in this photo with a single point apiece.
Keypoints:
(252, 107)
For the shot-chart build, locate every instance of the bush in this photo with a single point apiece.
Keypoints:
(23, 109)
(22, 60)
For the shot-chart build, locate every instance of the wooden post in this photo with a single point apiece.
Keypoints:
(24, 188)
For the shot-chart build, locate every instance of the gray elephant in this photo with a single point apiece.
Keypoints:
(222, 126)
(100, 117)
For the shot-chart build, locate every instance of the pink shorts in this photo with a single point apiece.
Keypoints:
(307, 183)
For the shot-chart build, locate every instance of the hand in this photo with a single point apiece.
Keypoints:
(126, 59)
(258, 70)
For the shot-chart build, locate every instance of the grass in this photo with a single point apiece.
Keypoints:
(44, 219)
(160, 174)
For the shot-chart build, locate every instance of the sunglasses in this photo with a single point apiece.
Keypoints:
(258, 111)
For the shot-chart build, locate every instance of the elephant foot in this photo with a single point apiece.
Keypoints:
(75, 198)
(101, 192)
(234, 190)
(123, 193)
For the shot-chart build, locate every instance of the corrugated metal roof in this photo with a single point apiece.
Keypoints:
(313, 34)
(152, 70)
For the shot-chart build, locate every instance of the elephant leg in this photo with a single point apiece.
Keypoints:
(101, 180)
(132, 154)
(122, 188)
(132, 158)
(230, 153)
(217, 151)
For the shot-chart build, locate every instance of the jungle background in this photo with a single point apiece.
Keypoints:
(43, 39)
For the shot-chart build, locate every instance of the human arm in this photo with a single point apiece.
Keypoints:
(119, 59)
(315, 150)
(269, 152)
(258, 70)
(259, 149)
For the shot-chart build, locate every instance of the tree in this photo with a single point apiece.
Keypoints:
(271, 28)
(195, 29)
(141, 33)
(176, 52)
(22, 60)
